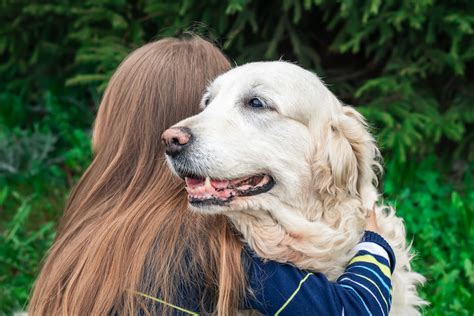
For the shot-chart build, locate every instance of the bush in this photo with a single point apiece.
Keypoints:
(406, 65)
(439, 221)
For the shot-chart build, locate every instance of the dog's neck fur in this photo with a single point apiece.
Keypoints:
(319, 235)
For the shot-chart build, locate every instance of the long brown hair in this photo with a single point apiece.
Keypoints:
(126, 227)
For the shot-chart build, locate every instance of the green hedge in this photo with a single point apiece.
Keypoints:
(407, 66)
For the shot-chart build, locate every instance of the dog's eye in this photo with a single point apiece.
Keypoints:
(256, 103)
(206, 99)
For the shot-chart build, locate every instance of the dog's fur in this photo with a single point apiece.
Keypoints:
(322, 158)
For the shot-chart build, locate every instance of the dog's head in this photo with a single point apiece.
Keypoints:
(270, 131)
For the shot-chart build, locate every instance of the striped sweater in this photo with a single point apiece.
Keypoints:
(282, 289)
(363, 289)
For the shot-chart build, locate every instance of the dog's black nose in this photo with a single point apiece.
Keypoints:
(176, 139)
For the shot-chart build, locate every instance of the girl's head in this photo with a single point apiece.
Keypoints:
(155, 86)
(126, 227)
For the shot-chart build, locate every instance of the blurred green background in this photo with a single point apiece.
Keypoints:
(408, 66)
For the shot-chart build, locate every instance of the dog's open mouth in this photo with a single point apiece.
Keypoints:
(207, 191)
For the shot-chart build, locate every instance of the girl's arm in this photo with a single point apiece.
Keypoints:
(363, 289)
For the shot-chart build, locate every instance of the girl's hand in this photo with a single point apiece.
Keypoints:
(371, 223)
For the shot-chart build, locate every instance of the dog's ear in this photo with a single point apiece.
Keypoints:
(347, 156)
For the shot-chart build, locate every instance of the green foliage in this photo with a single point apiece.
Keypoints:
(439, 218)
(19, 253)
(407, 65)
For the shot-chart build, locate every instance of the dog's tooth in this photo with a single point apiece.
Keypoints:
(207, 184)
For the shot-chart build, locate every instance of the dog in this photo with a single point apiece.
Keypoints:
(293, 168)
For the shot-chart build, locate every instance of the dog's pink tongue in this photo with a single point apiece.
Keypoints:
(194, 182)
(207, 188)
(219, 184)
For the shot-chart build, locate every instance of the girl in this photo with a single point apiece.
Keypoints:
(127, 233)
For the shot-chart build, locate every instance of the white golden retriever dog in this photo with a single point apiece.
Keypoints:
(292, 167)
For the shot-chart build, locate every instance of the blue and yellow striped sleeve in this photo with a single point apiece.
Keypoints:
(368, 275)
(363, 289)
